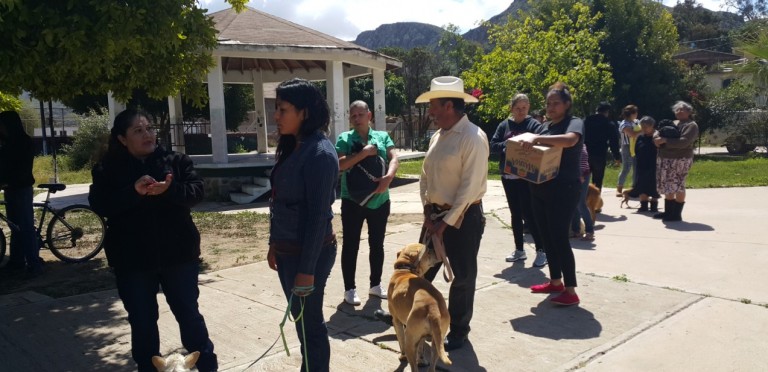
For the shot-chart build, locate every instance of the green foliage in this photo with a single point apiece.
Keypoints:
(43, 171)
(59, 49)
(9, 102)
(88, 141)
(749, 9)
(457, 53)
(753, 41)
(700, 27)
(238, 100)
(530, 55)
(394, 96)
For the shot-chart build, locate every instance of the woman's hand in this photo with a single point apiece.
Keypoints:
(301, 283)
(158, 188)
(271, 258)
(528, 142)
(142, 184)
(658, 141)
(384, 183)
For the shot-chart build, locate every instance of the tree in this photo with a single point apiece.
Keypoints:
(749, 9)
(698, 27)
(394, 95)
(59, 49)
(753, 41)
(457, 54)
(528, 56)
(9, 102)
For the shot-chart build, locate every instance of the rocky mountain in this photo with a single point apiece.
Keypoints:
(405, 35)
(480, 34)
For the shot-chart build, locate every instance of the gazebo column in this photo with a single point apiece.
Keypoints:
(218, 122)
(261, 112)
(346, 99)
(115, 108)
(334, 77)
(177, 123)
(379, 101)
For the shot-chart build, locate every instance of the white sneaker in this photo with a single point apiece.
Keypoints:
(378, 291)
(516, 256)
(351, 298)
(541, 259)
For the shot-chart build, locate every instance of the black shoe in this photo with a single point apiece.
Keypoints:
(654, 206)
(453, 343)
(667, 209)
(643, 206)
(383, 316)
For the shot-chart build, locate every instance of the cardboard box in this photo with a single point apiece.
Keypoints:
(538, 164)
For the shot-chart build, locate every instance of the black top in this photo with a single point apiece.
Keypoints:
(148, 232)
(599, 133)
(16, 158)
(645, 152)
(508, 129)
(569, 162)
(303, 190)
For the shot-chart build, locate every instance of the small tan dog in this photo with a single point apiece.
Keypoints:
(594, 200)
(176, 362)
(418, 309)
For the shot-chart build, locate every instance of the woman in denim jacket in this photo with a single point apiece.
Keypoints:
(302, 245)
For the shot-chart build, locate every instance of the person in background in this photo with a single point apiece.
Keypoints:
(302, 245)
(600, 134)
(674, 161)
(515, 188)
(582, 212)
(645, 155)
(554, 201)
(538, 115)
(145, 194)
(16, 160)
(375, 211)
(628, 134)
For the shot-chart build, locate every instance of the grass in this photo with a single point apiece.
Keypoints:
(621, 278)
(43, 171)
(708, 171)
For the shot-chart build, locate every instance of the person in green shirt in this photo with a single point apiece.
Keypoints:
(375, 211)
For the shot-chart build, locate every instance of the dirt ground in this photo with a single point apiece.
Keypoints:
(224, 244)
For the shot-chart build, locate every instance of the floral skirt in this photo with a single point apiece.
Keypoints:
(671, 174)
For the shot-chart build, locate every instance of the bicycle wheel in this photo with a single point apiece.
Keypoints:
(75, 233)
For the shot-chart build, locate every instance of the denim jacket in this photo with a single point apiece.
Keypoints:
(303, 190)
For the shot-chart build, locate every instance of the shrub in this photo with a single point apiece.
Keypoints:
(88, 141)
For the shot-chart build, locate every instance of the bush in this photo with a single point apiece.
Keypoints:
(88, 141)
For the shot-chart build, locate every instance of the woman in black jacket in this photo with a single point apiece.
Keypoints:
(145, 194)
(16, 159)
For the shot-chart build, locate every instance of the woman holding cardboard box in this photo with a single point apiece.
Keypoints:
(515, 188)
(554, 202)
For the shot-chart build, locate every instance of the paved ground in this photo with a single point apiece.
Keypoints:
(683, 296)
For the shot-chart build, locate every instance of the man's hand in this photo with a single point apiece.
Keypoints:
(303, 281)
(384, 183)
(438, 228)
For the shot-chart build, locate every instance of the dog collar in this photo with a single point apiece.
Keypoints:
(408, 267)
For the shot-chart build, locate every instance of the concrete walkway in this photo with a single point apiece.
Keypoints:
(683, 296)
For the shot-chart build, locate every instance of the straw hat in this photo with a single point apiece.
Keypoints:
(446, 87)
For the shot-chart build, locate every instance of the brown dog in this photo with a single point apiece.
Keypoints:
(594, 200)
(418, 309)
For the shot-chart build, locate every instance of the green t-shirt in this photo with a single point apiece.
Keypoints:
(343, 147)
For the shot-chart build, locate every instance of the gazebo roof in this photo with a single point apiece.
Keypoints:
(706, 57)
(254, 28)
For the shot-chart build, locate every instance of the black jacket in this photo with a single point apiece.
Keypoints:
(507, 129)
(16, 158)
(147, 232)
(599, 133)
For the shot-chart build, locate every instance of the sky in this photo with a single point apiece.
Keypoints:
(345, 19)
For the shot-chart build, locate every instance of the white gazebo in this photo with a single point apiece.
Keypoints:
(258, 48)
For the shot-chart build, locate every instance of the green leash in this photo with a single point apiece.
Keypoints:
(301, 292)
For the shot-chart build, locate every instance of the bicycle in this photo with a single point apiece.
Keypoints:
(75, 233)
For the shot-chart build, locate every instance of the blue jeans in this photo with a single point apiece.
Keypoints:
(24, 247)
(627, 163)
(582, 212)
(318, 346)
(138, 290)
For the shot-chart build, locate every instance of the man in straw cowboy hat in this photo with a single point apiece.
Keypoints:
(452, 185)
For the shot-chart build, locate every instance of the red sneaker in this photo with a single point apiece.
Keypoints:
(547, 288)
(566, 299)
